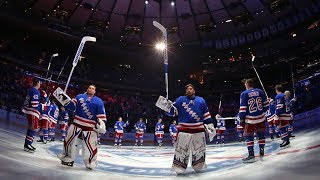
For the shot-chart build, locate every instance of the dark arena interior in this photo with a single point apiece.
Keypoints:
(253, 66)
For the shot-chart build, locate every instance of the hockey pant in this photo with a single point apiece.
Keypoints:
(189, 143)
(89, 146)
(32, 128)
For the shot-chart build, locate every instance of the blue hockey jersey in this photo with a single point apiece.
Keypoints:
(253, 105)
(271, 112)
(282, 107)
(192, 113)
(87, 110)
(32, 103)
(54, 113)
(119, 126)
(159, 128)
(140, 127)
(64, 117)
(173, 129)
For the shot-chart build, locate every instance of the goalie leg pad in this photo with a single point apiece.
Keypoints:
(90, 148)
(198, 151)
(70, 144)
(182, 152)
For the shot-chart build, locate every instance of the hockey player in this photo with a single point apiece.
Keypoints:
(88, 121)
(44, 120)
(192, 113)
(282, 117)
(63, 122)
(173, 131)
(253, 105)
(289, 109)
(159, 131)
(221, 127)
(32, 110)
(239, 128)
(270, 118)
(53, 116)
(119, 126)
(140, 127)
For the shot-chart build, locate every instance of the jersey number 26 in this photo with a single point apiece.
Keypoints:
(255, 104)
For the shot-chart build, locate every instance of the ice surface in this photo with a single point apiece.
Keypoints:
(300, 161)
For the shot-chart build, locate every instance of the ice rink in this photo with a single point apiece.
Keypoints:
(301, 161)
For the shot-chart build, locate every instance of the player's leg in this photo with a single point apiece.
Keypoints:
(141, 139)
(53, 131)
(116, 139)
(45, 127)
(260, 128)
(290, 129)
(120, 139)
(63, 128)
(218, 137)
(182, 152)
(284, 134)
(222, 137)
(32, 129)
(137, 138)
(70, 146)
(40, 130)
(198, 151)
(90, 148)
(249, 136)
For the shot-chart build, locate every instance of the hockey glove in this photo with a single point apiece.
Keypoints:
(100, 127)
(211, 131)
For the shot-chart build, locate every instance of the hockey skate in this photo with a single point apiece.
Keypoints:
(261, 154)
(67, 163)
(292, 136)
(33, 147)
(250, 158)
(272, 138)
(28, 148)
(285, 144)
(40, 140)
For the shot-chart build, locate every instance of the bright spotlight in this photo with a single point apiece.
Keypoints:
(160, 46)
(146, 2)
(172, 3)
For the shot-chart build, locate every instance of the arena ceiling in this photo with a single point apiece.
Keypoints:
(130, 21)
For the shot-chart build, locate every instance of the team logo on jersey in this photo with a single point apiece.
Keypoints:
(35, 96)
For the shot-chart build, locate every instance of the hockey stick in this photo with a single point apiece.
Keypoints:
(53, 55)
(77, 56)
(65, 62)
(226, 118)
(253, 57)
(292, 78)
(219, 108)
(165, 54)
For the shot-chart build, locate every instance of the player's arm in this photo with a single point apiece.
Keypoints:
(115, 125)
(101, 112)
(279, 105)
(35, 99)
(265, 102)
(243, 107)
(206, 114)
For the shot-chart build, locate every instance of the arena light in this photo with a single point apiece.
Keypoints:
(229, 20)
(146, 2)
(172, 3)
(160, 46)
(55, 55)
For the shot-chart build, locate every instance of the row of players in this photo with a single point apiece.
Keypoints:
(282, 104)
(50, 116)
